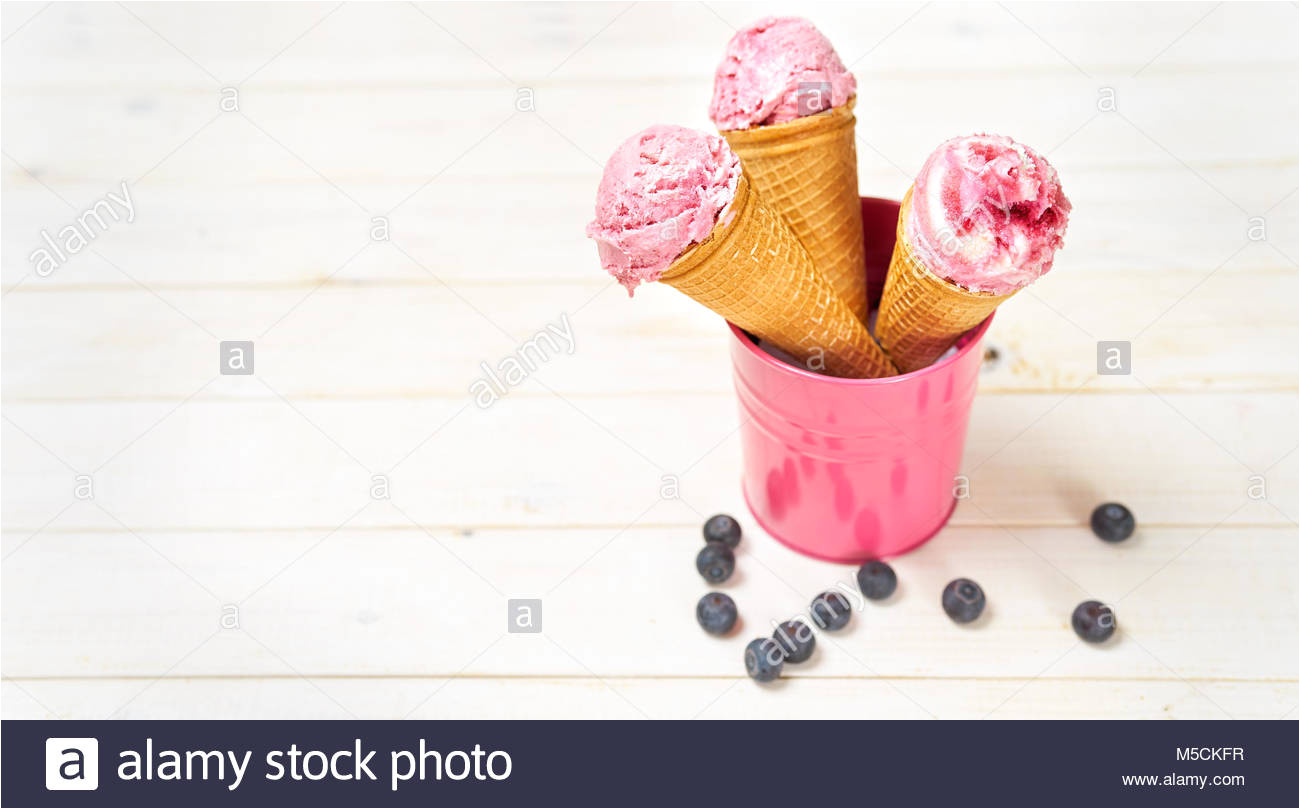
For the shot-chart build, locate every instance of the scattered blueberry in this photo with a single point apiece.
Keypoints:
(722, 528)
(877, 580)
(1113, 522)
(716, 562)
(763, 660)
(796, 640)
(1093, 621)
(963, 600)
(716, 612)
(831, 610)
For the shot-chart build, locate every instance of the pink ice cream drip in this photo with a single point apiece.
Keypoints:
(987, 214)
(769, 66)
(663, 190)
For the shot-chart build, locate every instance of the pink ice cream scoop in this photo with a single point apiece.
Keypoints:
(987, 213)
(663, 190)
(777, 70)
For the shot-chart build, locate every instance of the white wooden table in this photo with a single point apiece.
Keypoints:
(226, 499)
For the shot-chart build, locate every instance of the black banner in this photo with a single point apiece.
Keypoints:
(760, 763)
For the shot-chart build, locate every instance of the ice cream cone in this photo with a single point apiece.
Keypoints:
(753, 271)
(807, 169)
(921, 314)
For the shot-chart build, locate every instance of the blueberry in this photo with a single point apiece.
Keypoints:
(715, 561)
(1113, 522)
(716, 612)
(763, 660)
(1093, 621)
(831, 610)
(877, 580)
(796, 640)
(963, 600)
(722, 528)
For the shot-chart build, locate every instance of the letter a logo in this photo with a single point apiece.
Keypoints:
(71, 764)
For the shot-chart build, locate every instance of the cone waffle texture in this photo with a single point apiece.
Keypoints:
(921, 314)
(756, 274)
(808, 170)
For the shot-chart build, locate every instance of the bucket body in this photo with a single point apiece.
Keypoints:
(854, 469)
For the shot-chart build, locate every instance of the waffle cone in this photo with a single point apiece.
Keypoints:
(807, 169)
(921, 314)
(755, 273)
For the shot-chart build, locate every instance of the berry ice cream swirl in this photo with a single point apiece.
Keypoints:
(777, 70)
(987, 213)
(663, 190)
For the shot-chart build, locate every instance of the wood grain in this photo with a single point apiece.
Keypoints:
(369, 595)
(291, 697)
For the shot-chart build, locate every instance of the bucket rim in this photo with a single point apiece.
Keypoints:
(966, 343)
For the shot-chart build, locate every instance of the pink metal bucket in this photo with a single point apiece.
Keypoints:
(853, 469)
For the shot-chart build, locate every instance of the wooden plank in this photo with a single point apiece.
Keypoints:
(239, 231)
(291, 133)
(1231, 329)
(622, 698)
(620, 603)
(624, 41)
(543, 461)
